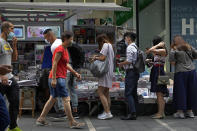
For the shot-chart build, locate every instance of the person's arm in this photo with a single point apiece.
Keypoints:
(194, 53)
(155, 49)
(104, 52)
(69, 67)
(161, 52)
(41, 60)
(124, 63)
(129, 60)
(4, 69)
(101, 57)
(172, 59)
(15, 51)
(54, 68)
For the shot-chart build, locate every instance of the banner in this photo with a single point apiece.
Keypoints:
(184, 20)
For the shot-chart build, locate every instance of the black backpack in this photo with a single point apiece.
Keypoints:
(77, 56)
(140, 62)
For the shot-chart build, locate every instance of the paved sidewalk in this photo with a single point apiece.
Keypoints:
(142, 124)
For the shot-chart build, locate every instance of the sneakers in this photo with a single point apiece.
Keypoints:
(15, 129)
(101, 114)
(61, 116)
(105, 116)
(179, 115)
(190, 114)
(75, 115)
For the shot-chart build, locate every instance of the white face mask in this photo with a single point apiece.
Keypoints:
(126, 43)
(71, 42)
(46, 41)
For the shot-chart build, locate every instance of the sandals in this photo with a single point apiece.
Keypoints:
(156, 116)
(77, 125)
(41, 123)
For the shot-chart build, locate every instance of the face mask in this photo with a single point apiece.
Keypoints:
(46, 41)
(126, 43)
(11, 35)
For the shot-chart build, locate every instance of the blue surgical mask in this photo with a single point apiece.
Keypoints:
(46, 41)
(11, 35)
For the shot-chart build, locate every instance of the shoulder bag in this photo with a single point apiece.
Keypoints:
(100, 68)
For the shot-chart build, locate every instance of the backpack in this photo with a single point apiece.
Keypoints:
(140, 62)
(77, 55)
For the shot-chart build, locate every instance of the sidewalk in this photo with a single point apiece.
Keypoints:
(93, 124)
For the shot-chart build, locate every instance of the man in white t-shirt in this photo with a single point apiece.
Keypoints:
(50, 38)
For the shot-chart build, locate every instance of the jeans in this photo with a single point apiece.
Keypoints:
(44, 78)
(12, 93)
(70, 84)
(60, 90)
(4, 115)
(131, 81)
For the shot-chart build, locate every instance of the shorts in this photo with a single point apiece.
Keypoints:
(60, 90)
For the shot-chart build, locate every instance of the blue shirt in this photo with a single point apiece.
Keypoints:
(47, 58)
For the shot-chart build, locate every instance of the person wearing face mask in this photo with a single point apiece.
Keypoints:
(132, 76)
(8, 54)
(57, 82)
(46, 59)
(52, 43)
(51, 38)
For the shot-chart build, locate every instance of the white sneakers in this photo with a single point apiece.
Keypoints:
(105, 116)
(179, 115)
(190, 114)
(183, 116)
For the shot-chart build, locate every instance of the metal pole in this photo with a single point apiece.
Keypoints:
(114, 1)
(67, 0)
(103, 1)
(84, 1)
(167, 36)
(31, 0)
(134, 14)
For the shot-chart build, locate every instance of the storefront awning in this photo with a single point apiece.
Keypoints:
(63, 6)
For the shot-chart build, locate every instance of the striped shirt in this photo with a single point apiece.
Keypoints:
(131, 55)
(159, 59)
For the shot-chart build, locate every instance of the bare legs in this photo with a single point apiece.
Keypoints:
(47, 107)
(160, 104)
(105, 98)
(68, 111)
(49, 104)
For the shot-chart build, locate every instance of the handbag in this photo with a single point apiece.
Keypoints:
(99, 68)
(163, 80)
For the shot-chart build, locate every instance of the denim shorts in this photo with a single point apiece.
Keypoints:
(60, 90)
